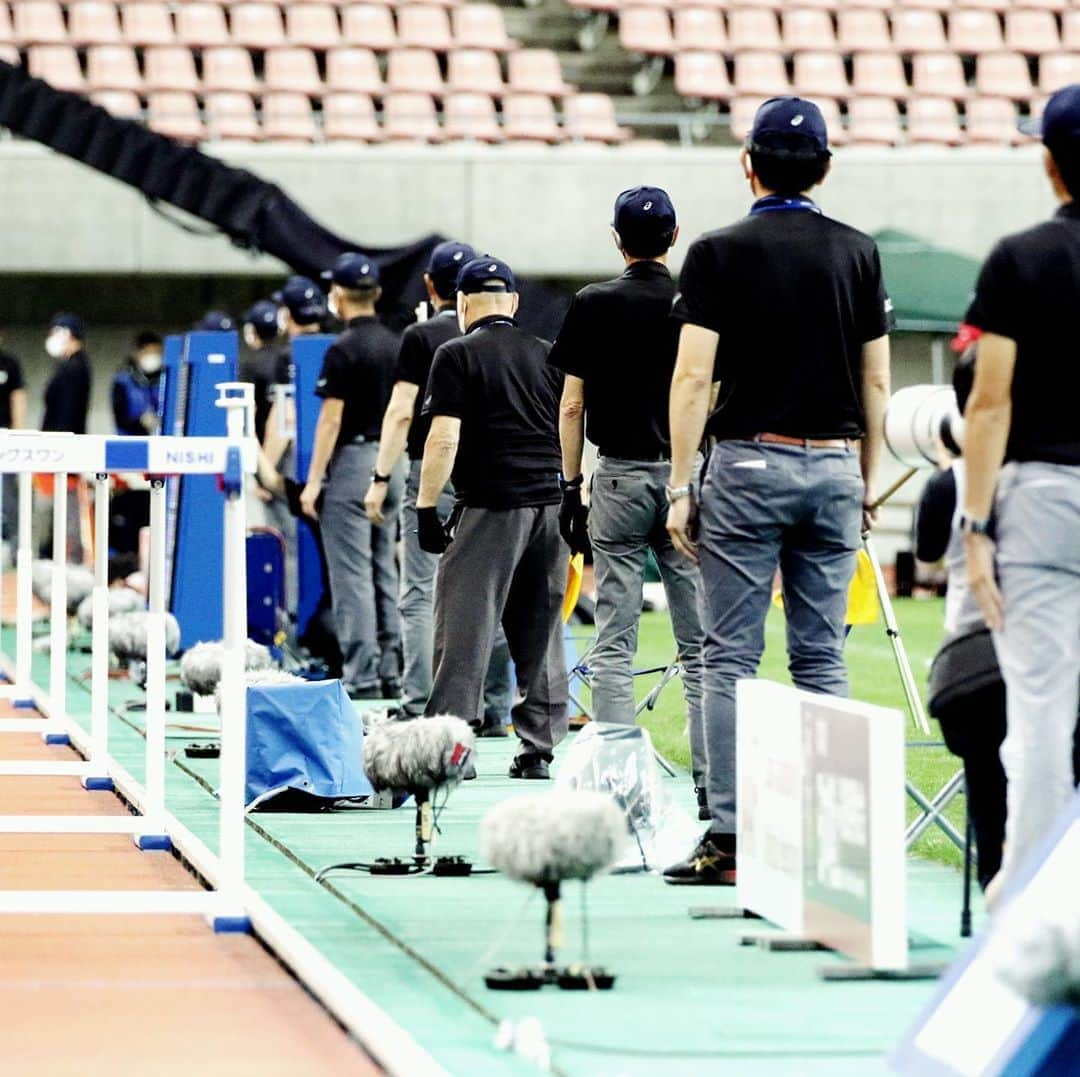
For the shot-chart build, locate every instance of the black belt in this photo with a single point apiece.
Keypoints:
(657, 458)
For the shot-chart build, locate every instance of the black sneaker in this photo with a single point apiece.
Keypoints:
(702, 804)
(712, 863)
(492, 728)
(529, 766)
(370, 692)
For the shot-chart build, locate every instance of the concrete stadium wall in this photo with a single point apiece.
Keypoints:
(545, 211)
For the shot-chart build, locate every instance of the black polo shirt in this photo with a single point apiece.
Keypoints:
(620, 339)
(1029, 291)
(794, 296)
(67, 395)
(261, 369)
(358, 368)
(11, 379)
(497, 381)
(418, 346)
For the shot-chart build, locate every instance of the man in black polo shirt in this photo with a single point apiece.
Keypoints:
(259, 331)
(786, 309)
(67, 392)
(617, 348)
(1023, 410)
(354, 385)
(493, 401)
(12, 417)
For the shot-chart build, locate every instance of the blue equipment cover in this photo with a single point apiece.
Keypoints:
(266, 611)
(306, 737)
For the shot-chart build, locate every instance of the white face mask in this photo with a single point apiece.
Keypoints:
(56, 343)
(331, 303)
(150, 362)
(282, 320)
(251, 338)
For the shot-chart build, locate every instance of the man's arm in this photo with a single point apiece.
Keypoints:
(18, 409)
(392, 438)
(326, 435)
(691, 389)
(275, 441)
(440, 449)
(987, 419)
(875, 399)
(572, 425)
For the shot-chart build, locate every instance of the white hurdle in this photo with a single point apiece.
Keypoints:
(233, 458)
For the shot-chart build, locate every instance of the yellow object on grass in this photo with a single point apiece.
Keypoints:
(862, 606)
(575, 574)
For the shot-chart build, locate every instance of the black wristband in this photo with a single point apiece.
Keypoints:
(376, 477)
(571, 484)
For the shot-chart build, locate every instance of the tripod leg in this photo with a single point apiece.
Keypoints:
(965, 912)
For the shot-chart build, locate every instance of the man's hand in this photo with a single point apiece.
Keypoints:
(373, 501)
(573, 521)
(262, 493)
(870, 510)
(430, 531)
(979, 551)
(308, 499)
(680, 521)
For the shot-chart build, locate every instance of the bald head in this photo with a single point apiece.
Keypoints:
(472, 307)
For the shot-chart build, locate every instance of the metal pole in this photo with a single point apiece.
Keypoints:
(155, 664)
(58, 612)
(99, 646)
(24, 589)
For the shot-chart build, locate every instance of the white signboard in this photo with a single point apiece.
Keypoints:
(49, 453)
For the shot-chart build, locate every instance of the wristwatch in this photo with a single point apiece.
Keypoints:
(570, 484)
(970, 526)
(376, 477)
(676, 493)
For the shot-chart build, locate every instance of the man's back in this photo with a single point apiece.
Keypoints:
(419, 343)
(358, 369)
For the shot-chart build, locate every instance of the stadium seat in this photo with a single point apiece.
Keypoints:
(201, 25)
(1058, 69)
(646, 30)
(834, 124)
(933, 121)
(147, 24)
(863, 30)
(413, 71)
(808, 30)
(761, 5)
(918, 31)
(58, 65)
(1031, 32)
(974, 32)
(228, 70)
(424, 26)
(941, 6)
(175, 114)
(170, 67)
(702, 76)
(7, 31)
(1070, 30)
(820, 74)
(1003, 74)
(873, 121)
(828, 6)
(530, 117)
(536, 71)
(476, 71)
(411, 117)
(91, 22)
(590, 117)
(351, 70)
(292, 69)
(313, 26)
(760, 74)
(480, 26)
(471, 116)
(743, 110)
(370, 26)
(287, 118)
(753, 29)
(350, 117)
(259, 26)
(9, 54)
(231, 116)
(113, 67)
(120, 103)
(992, 120)
(39, 22)
(878, 74)
(700, 28)
(938, 74)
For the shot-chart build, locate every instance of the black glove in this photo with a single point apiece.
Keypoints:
(430, 531)
(573, 519)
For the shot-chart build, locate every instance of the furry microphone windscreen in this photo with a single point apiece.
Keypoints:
(418, 754)
(200, 668)
(254, 677)
(121, 600)
(1036, 951)
(548, 837)
(127, 635)
(80, 582)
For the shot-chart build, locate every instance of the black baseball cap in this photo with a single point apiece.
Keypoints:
(262, 315)
(790, 127)
(643, 217)
(445, 263)
(1059, 125)
(303, 299)
(215, 321)
(485, 274)
(71, 322)
(353, 270)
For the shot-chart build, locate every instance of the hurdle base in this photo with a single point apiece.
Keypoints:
(98, 785)
(721, 912)
(153, 843)
(780, 943)
(848, 973)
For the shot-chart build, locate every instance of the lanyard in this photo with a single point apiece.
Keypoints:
(778, 203)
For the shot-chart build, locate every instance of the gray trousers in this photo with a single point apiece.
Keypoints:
(360, 559)
(417, 628)
(1038, 553)
(627, 510)
(507, 566)
(765, 507)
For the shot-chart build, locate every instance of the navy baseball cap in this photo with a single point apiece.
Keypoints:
(353, 270)
(303, 299)
(262, 315)
(1059, 126)
(215, 321)
(485, 274)
(643, 215)
(445, 263)
(789, 127)
(71, 322)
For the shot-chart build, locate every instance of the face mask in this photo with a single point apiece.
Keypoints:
(251, 338)
(150, 362)
(56, 343)
(332, 305)
(282, 320)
